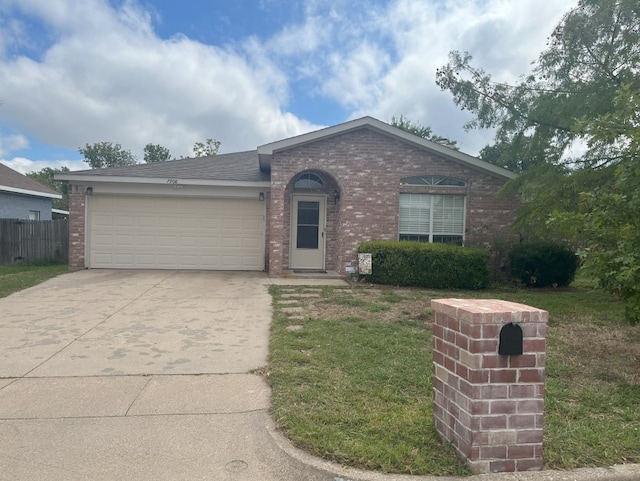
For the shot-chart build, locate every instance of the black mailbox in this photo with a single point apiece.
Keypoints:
(510, 340)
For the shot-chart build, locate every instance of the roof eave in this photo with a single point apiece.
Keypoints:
(35, 193)
(156, 180)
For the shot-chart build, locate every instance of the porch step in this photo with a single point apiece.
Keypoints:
(311, 274)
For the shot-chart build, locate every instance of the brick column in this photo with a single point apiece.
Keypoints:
(77, 224)
(489, 406)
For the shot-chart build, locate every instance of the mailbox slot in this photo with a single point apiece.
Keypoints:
(511, 340)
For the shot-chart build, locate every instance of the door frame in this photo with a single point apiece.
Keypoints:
(322, 227)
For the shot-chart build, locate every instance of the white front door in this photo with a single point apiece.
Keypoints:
(307, 232)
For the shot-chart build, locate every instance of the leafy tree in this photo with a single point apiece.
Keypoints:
(156, 153)
(206, 148)
(610, 214)
(421, 131)
(106, 154)
(571, 127)
(46, 177)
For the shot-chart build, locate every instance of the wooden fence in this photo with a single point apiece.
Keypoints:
(34, 240)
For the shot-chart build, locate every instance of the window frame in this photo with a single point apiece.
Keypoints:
(430, 234)
(433, 181)
(311, 178)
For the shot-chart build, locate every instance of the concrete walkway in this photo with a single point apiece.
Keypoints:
(146, 375)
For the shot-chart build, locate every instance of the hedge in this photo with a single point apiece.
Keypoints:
(421, 264)
(543, 264)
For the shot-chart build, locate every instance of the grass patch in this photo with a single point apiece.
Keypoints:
(353, 384)
(16, 277)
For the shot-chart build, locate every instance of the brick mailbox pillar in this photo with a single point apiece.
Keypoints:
(489, 406)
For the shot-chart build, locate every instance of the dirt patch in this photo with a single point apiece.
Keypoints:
(374, 304)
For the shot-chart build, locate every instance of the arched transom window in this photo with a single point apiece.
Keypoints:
(309, 181)
(433, 180)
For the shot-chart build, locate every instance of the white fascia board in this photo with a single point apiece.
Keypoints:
(161, 181)
(14, 190)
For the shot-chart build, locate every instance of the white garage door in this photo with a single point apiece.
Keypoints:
(176, 233)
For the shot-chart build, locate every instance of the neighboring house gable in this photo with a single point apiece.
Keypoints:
(301, 203)
(23, 198)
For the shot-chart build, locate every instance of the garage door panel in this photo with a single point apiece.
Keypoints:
(176, 233)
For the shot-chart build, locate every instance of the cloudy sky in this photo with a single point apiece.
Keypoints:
(245, 72)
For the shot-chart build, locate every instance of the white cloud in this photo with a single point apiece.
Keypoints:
(108, 77)
(503, 36)
(26, 166)
(11, 142)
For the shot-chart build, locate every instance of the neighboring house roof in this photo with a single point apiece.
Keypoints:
(266, 151)
(224, 169)
(17, 183)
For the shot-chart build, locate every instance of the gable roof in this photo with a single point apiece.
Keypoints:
(252, 168)
(17, 183)
(239, 168)
(265, 152)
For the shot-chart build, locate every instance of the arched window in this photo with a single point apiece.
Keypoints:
(433, 180)
(309, 181)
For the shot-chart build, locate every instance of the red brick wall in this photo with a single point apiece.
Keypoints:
(367, 166)
(489, 406)
(77, 198)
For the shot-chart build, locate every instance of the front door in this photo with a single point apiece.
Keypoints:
(307, 232)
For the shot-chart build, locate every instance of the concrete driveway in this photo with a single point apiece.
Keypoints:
(139, 375)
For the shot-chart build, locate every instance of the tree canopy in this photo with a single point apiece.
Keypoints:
(106, 154)
(156, 153)
(46, 177)
(421, 131)
(571, 128)
(101, 155)
(206, 148)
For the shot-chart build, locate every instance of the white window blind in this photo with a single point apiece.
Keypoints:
(432, 218)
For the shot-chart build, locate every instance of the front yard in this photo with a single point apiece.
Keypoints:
(351, 373)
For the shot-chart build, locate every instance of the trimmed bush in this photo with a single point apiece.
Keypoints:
(420, 264)
(543, 264)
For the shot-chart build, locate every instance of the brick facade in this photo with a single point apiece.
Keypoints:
(365, 167)
(77, 213)
(489, 406)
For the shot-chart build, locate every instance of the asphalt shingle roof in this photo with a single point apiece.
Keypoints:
(238, 166)
(16, 180)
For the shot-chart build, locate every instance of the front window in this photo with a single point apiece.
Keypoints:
(34, 215)
(432, 218)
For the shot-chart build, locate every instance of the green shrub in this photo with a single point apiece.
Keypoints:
(543, 264)
(420, 264)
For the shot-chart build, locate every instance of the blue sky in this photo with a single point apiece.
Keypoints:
(245, 72)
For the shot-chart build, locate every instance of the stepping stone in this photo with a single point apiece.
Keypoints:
(293, 310)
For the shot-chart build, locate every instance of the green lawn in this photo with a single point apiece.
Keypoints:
(351, 380)
(16, 277)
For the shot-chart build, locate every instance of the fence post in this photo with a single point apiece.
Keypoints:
(489, 406)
